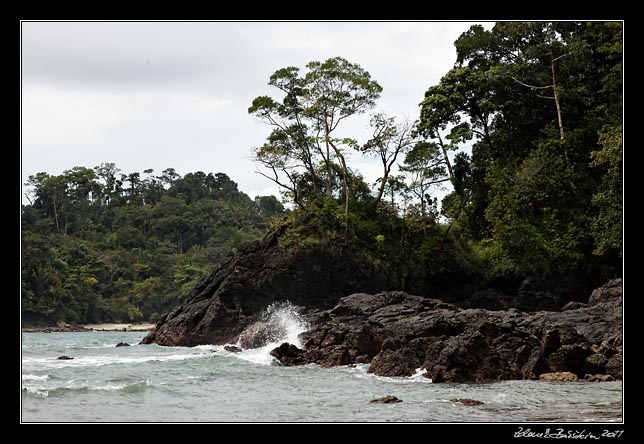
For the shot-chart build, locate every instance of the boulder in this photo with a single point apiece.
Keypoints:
(595, 363)
(122, 344)
(389, 399)
(65, 358)
(289, 355)
(558, 377)
(232, 349)
(569, 358)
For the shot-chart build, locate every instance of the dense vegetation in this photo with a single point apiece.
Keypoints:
(102, 246)
(539, 193)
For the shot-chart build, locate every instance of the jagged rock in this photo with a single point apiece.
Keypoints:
(65, 358)
(261, 272)
(122, 344)
(614, 366)
(232, 349)
(595, 363)
(606, 293)
(289, 355)
(558, 377)
(467, 401)
(396, 332)
(599, 378)
(389, 399)
(569, 358)
(399, 333)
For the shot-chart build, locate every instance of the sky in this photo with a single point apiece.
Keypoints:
(175, 94)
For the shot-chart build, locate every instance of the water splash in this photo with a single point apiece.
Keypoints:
(290, 324)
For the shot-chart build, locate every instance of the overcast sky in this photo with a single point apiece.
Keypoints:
(158, 95)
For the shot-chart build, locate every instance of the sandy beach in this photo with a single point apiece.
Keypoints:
(119, 327)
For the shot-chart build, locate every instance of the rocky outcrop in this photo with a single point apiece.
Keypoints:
(398, 333)
(262, 272)
(289, 355)
(389, 399)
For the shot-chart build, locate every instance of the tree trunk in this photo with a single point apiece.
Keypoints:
(345, 185)
(556, 95)
(451, 174)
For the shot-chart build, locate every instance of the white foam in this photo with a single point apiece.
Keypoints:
(97, 361)
(108, 387)
(288, 318)
(29, 377)
(361, 371)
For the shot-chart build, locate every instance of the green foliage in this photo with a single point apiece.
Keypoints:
(94, 250)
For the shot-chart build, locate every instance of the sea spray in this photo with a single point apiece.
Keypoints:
(212, 385)
(287, 324)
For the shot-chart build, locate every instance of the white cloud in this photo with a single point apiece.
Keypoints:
(159, 95)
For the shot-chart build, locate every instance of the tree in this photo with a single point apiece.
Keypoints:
(425, 167)
(388, 141)
(305, 121)
(82, 187)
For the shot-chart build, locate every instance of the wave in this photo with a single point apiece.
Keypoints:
(101, 360)
(361, 371)
(30, 377)
(290, 324)
(71, 386)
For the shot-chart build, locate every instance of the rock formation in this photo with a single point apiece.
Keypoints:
(398, 333)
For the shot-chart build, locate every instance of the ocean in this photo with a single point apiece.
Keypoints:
(150, 383)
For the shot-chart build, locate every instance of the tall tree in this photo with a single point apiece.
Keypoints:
(306, 120)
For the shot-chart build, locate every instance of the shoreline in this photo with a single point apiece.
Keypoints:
(128, 327)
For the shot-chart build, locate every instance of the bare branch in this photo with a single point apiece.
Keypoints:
(530, 86)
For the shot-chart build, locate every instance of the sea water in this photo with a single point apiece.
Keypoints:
(144, 383)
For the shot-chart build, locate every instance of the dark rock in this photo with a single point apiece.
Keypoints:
(402, 362)
(550, 342)
(467, 401)
(389, 399)
(401, 333)
(261, 272)
(122, 344)
(558, 377)
(599, 378)
(289, 355)
(595, 363)
(614, 366)
(606, 348)
(65, 358)
(606, 293)
(569, 358)
(232, 349)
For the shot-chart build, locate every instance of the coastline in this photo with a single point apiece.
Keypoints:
(141, 326)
